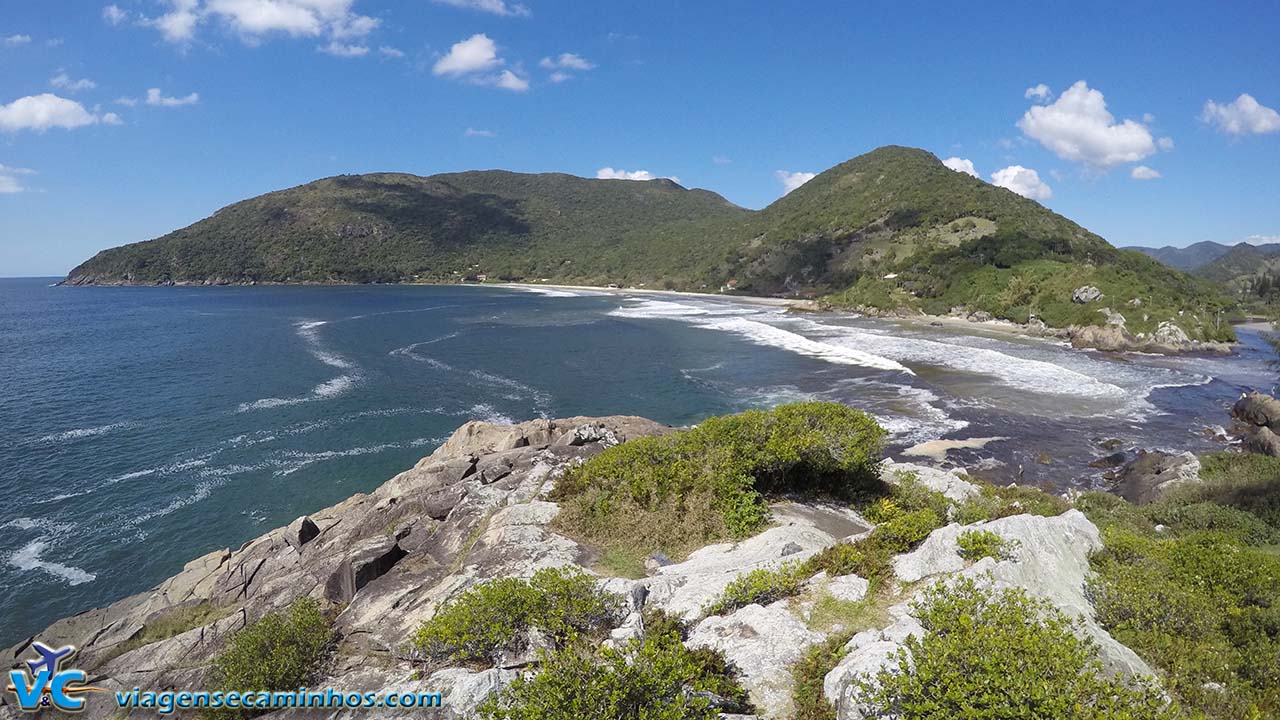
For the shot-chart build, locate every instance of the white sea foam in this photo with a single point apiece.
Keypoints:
(28, 558)
(548, 292)
(81, 433)
(330, 388)
(487, 413)
(293, 461)
(772, 336)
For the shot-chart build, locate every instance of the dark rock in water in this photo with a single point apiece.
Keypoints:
(1115, 459)
(1258, 409)
(1262, 441)
(1151, 474)
(1044, 459)
(1111, 444)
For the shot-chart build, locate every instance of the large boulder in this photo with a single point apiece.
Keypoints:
(947, 482)
(764, 643)
(1151, 474)
(1257, 409)
(1085, 294)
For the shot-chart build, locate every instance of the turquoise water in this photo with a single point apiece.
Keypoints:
(142, 427)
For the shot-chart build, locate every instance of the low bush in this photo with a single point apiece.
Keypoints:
(1244, 481)
(281, 652)
(1200, 605)
(760, 586)
(807, 675)
(657, 679)
(480, 623)
(712, 482)
(995, 655)
(977, 544)
(995, 501)
(902, 532)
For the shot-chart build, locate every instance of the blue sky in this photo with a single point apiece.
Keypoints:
(120, 122)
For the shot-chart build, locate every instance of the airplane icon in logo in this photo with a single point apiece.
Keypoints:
(49, 658)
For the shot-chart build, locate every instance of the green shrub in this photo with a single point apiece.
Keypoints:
(712, 482)
(906, 494)
(281, 652)
(485, 620)
(977, 544)
(807, 675)
(760, 586)
(995, 502)
(907, 529)
(1202, 607)
(990, 655)
(657, 679)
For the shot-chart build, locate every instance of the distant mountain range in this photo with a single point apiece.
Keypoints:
(1201, 254)
(892, 229)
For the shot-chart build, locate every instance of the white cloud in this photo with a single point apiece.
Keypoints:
(15, 40)
(493, 7)
(1166, 144)
(388, 51)
(1142, 172)
(559, 76)
(159, 99)
(253, 19)
(721, 159)
(9, 179)
(1024, 181)
(42, 112)
(127, 101)
(608, 173)
(343, 50)
(1039, 92)
(1242, 116)
(566, 61)
(112, 119)
(508, 80)
(792, 180)
(64, 81)
(473, 60)
(1077, 127)
(179, 24)
(963, 165)
(475, 54)
(473, 132)
(113, 15)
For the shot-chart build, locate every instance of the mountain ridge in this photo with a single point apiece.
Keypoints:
(945, 239)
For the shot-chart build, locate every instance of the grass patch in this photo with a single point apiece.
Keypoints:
(807, 698)
(170, 623)
(618, 562)
(760, 587)
(713, 482)
(482, 622)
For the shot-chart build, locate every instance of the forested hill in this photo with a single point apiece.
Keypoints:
(889, 229)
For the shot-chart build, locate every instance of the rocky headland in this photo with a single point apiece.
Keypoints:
(479, 508)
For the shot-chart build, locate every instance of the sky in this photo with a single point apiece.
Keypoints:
(1148, 123)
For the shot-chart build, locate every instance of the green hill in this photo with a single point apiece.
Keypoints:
(892, 228)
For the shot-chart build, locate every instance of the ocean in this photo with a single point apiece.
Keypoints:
(143, 427)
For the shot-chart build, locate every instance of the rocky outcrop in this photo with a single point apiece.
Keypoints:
(1086, 294)
(469, 512)
(1047, 557)
(1257, 419)
(477, 509)
(1151, 474)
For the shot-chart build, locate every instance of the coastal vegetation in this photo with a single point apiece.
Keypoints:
(562, 604)
(281, 652)
(678, 492)
(990, 654)
(892, 229)
(1192, 583)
